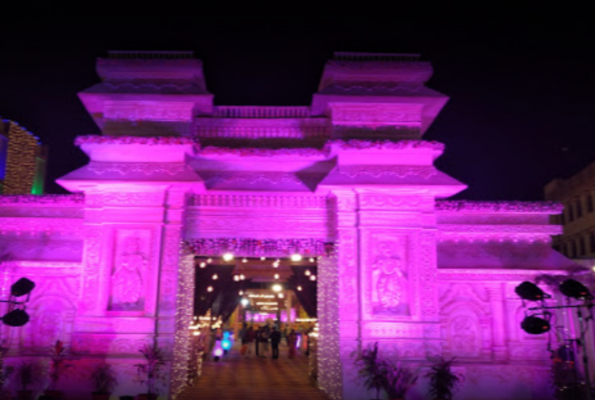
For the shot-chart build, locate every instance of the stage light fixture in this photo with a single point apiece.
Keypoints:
(16, 318)
(535, 325)
(22, 287)
(530, 291)
(575, 290)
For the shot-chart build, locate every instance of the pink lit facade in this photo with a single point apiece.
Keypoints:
(421, 275)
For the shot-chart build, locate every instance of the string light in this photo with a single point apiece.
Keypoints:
(209, 260)
(313, 277)
(311, 259)
(210, 289)
(275, 264)
(280, 295)
(262, 258)
(215, 277)
(299, 288)
(276, 276)
(242, 277)
(307, 273)
(241, 293)
(203, 264)
(244, 260)
(236, 278)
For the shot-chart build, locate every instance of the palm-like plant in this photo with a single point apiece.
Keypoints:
(104, 379)
(398, 380)
(59, 363)
(443, 381)
(151, 371)
(371, 368)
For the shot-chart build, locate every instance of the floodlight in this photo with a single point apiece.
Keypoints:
(575, 290)
(16, 317)
(535, 325)
(530, 291)
(22, 287)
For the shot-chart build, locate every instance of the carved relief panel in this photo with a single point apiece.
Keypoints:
(388, 277)
(129, 271)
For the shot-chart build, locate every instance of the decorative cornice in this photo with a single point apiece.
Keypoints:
(498, 229)
(249, 178)
(71, 225)
(241, 247)
(359, 144)
(100, 168)
(260, 152)
(237, 201)
(507, 275)
(124, 140)
(48, 199)
(379, 171)
(546, 207)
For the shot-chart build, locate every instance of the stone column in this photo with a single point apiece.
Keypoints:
(499, 348)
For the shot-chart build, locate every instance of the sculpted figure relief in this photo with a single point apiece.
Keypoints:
(127, 279)
(390, 288)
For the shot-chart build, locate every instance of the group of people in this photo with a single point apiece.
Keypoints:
(262, 337)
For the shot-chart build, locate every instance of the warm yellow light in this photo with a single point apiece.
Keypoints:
(210, 260)
(241, 292)
(313, 278)
(296, 257)
(277, 288)
(275, 265)
(215, 277)
(311, 259)
(203, 264)
(276, 276)
(280, 295)
(210, 289)
(244, 260)
(236, 278)
(299, 288)
(262, 258)
(308, 273)
(242, 277)
(227, 257)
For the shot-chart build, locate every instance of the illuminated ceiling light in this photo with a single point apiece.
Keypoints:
(299, 288)
(196, 333)
(242, 277)
(280, 295)
(313, 277)
(245, 302)
(210, 289)
(215, 277)
(535, 325)
(275, 265)
(203, 264)
(277, 288)
(575, 290)
(530, 291)
(277, 260)
(276, 276)
(236, 278)
(262, 258)
(227, 257)
(307, 273)
(241, 293)
(296, 257)
(244, 260)
(311, 259)
(209, 260)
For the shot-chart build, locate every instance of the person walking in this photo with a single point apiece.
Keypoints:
(257, 340)
(264, 341)
(275, 339)
(292, 342)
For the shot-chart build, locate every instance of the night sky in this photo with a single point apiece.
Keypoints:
(521, 86)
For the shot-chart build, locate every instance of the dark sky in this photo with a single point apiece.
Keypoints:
(520, 85)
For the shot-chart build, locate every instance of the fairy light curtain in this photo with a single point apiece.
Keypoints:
(307, 295)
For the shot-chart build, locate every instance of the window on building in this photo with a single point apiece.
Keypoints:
(570, 212)
(579, 208)
(589, 203)
(581, 246)
(562, 219)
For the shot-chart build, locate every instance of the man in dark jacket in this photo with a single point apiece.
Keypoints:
(275, 339)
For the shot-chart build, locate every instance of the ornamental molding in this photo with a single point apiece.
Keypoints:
(249, 178)
(125, 199)
(252, 128)
(242, 247)
(100, 168)
(281, 226)
(260, 201)
(136, 140)
(405, 330)
(379, 171)
(446, 229)
(374, 114)
(548, 207)
(51, 265)
(44, 200)
(375, 201)
(492, 275)
(37, 225)
(134, 111)
(359, 144)
(260, 152)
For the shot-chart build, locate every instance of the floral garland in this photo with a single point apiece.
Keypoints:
(146, 140)
(258, 247)
(500, 206)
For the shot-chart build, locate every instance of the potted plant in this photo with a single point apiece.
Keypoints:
(370, 368)
(104, 381)
(398, 381)
(151, 371)
(443, 381)
(27, 373)
(58, 365)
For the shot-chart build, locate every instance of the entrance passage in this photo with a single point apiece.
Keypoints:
(235, 377)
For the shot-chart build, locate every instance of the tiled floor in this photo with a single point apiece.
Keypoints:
(240, 378)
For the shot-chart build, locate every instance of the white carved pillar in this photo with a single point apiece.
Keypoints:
(496, 298)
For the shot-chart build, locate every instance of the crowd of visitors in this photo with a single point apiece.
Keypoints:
(266, 337)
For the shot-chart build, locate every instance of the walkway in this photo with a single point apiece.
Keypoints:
(234, 378)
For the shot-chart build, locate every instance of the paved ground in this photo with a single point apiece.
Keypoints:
(237, 378)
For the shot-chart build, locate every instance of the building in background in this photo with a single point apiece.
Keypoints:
(22, 160)
(577, 193)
